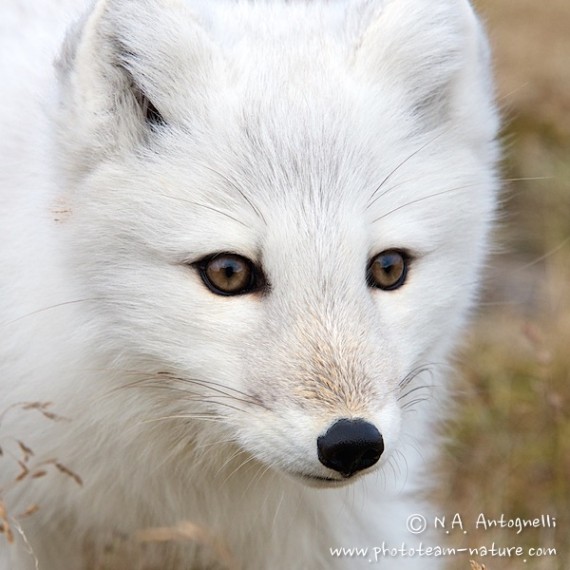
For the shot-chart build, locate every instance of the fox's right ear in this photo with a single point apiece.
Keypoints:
(431, 56)
(131, 67)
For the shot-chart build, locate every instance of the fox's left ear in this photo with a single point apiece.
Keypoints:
(431, 55)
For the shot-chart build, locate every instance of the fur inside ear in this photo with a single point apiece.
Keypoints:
(432, 55)
(132, 67)
(151, 114)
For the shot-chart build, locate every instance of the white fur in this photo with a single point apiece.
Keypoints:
(282, 119)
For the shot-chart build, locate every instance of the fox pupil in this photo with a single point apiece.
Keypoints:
(230, 270)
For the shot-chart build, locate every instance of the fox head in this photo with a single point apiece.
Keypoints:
(280, 211)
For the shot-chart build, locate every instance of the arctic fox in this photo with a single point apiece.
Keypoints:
(239, 240)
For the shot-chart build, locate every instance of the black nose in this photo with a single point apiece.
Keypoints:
(350, 446)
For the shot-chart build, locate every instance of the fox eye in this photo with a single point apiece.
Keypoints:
(388, 270)
(230, 274)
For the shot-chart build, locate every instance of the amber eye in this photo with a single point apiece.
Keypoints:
(229, 274)
(388, 270)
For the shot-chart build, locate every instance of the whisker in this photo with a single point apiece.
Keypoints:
(248, 460)
(235, 454)
(216, 210)
(390, 464)
(216, 443)
(278, 508)
(213, 383)
(548, 254)
(51, 307)
(414, 444)
(406, 465)
(201, 205)
(262, 470)
(213, 386)
(155, 380)
(527, 179)
(409, 405)
(184, 417)
(501, 181)
(255, 209)
(372, 198)
(416, 389)
(415, 372)
(186, 394)
(508, 95)
(411, 202)
(205, 384)
(411, 375)
(501, 303)
(224, 404)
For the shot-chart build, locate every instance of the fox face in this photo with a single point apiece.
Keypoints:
(280, 213)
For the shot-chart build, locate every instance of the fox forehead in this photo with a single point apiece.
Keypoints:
(305, 197)
(359, 148)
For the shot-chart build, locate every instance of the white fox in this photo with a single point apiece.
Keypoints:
(239, 240)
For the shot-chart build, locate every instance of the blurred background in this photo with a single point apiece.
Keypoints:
(510, 451)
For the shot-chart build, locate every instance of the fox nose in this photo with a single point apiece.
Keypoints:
(350, 446)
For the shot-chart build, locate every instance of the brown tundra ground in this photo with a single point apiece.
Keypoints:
(510, 451)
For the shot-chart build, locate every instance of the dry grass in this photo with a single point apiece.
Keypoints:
(19, 458)
(188, 532)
